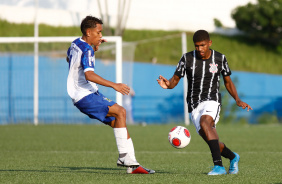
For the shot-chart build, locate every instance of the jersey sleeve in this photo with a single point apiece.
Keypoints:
(181, 67)
(87, 59)
(225, 68)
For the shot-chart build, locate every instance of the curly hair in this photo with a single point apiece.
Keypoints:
(201, 35)
(89, 22)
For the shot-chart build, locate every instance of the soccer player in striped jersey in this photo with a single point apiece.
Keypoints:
(82, 88)
(203, 67)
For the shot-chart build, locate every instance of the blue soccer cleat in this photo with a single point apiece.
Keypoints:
(217, 170)
(234, 169)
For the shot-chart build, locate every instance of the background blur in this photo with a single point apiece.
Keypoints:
(151, 32)
(184, 15)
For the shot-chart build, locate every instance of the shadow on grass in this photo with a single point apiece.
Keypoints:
(68, 170)
(90, 168)
(100, 170)
(103, 169)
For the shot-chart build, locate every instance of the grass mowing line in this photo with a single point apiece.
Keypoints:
(139, 152)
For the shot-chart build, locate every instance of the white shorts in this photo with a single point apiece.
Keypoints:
(211, 108)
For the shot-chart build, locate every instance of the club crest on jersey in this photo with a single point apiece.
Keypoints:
(109, 100)
(213, 68)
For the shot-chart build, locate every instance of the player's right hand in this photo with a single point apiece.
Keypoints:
(244, 105)
(163, 82)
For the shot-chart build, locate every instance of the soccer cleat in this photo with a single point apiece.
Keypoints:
(126, 161)
(217, 170)
(234, 169)
(139, 170)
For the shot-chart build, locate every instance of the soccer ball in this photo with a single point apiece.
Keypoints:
(179, 137)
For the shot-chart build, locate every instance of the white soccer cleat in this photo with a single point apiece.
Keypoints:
(126, 161)
(139, 170)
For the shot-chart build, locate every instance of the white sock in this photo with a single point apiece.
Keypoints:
(121, 139)
(130, 148)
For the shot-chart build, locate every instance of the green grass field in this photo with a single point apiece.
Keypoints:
(88, 154)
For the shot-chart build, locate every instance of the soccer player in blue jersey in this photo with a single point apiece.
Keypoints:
(203, 68)
(82, 88)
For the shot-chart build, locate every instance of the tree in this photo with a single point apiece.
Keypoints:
(262, 20)
(217, 23)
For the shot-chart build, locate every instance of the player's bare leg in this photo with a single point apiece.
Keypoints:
(119, 113)
(208, 131)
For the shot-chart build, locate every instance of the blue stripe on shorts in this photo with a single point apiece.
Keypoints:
(95, 106)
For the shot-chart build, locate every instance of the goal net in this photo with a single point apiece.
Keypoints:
(34, 72)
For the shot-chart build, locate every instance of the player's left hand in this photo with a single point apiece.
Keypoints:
(122, 88)
(243, 105)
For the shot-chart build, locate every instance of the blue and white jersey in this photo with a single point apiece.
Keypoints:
(81, 59)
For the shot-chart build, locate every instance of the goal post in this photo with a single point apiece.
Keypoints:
(185, 82)
(118, 57)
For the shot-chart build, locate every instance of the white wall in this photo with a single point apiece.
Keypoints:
(186, 15)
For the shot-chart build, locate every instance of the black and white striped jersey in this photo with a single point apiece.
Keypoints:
(203, 76)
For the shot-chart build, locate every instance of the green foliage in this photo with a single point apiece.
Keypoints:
(217, 23)
(21, 30)
(88, 154)
(46, 30)
(262, 20)
(246, 54)
(267, 118)
(229, 107)
(12, 29)
(243, 53)
(154, 44)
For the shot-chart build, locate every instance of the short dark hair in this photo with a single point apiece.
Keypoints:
(201, 35)
(89, 22)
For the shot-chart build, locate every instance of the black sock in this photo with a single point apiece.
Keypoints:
(227, 153)
(215, 151)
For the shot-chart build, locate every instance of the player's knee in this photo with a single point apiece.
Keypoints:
(203, 125)
(112, 123)
(121, 112)
(206, 121)
(203, 122)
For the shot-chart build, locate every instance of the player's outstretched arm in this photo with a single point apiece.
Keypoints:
(233, 92)
(168, 84)
(119, 87)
